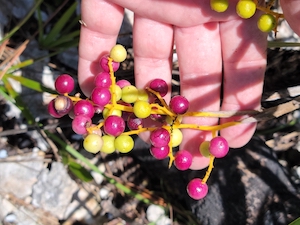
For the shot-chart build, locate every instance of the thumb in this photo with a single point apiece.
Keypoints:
(291, 11)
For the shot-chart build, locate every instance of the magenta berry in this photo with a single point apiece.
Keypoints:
(64, 84)
(196, 189)
(84, 107)
(179, 104)
(104, 64)
(114, 125)
(159, 152)
(101, 96)
(218, 147)
(159, 86)
(80, 123)
(183, 160)
(102, 80)
(160, 137)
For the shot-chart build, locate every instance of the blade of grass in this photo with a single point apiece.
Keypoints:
(295, 222)
(71, 25)
(59, 25)
(80, 157)
(21, 23)
(62, 47)
(280, 44)
(40, 25)
(32, 84)
(18, 102)
(6, 96)
(20, 65)
(65, 40)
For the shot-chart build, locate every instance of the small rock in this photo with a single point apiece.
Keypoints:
(103, 193)
(97, 177)
(157, 215)
(54, 190)
(20, 174)
(3, 153)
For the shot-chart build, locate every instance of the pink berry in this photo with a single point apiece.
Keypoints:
(218, 147)
(123, 83)
(183, 160)
(179, 104)
(104, 64)
(159, 152)
(196, 189)
(84, 107)
(80, 123)
(101, 96)
(159, 86)
(160, 137)
(114, 125)
(64, 84)
(102, 80)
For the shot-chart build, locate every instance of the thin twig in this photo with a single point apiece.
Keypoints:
(274, 112)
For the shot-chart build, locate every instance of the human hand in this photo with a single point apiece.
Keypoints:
(217, 52)
(291, 11)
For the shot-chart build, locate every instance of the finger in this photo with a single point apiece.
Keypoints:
(200, 63)
(244, 61)
(153, 49)
(180, 13)
(97, 37)
(291, 10)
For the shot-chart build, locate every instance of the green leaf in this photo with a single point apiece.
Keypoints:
(32, 84)
(80, 172)
(295, 222)
(59, 25)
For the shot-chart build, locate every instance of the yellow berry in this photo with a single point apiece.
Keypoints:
(143, 95)
(108, 144)
(266, 22)
(176, 137)
(124, 143)
(245, 8)
(93, 143)
(118, 53)
(219, 5)
(117, 92)
(115, 112)
(141, 109)
(129, 94)
(204, 148)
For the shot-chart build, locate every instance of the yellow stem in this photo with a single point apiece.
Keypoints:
(140, 130)
(207, 127)
(209, 169)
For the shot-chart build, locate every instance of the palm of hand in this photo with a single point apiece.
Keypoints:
(215, 51)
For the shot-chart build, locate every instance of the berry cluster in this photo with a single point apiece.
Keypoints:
(123, 105)
(267, 22)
